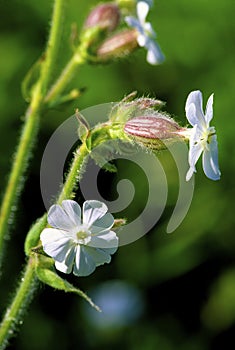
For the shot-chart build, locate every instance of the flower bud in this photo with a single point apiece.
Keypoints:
(105, 16)
(155, 131)
(118, 45)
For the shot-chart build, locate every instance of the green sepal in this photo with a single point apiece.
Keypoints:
(30, 80)
(131, 107)
(101, 155)
(46, 273)
(33, 236)
(83, 127)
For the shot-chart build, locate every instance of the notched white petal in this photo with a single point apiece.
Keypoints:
(196, 116)
(92, 211)
(62, 267)
(66, 265)
(58, 249)
(73, 210)
(108, 239)
(84, 264)
(57, 218)
(102, 224)
(99, 256)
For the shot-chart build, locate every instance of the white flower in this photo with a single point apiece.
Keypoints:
(79, 243)
(203, 138)
(146, 34)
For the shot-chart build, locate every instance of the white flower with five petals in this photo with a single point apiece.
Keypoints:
(79, 241)
(203, 138)
(146, 34)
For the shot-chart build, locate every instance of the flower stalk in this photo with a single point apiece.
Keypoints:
(14, 314)
(31, 126)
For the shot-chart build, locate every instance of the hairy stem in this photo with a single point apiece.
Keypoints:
(74, 174)
(53, 44)
(15, 181)
(30, 128)
(65, 77)
(14, 314)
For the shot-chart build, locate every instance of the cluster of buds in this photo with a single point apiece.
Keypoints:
(106, 45)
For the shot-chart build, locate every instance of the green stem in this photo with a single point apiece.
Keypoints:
(53, 44)
(79, 57)
(15, 181)
(66, 76)
(29, 133)
(14, 314)
(74, 174)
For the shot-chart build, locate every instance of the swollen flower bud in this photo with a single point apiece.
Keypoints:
(118, 45)
(105, 16)
(155, 131)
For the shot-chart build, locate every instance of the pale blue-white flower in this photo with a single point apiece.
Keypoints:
(146, 35)
(79, 240)
(202, 137)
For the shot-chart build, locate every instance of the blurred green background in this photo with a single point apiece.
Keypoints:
(172, 291)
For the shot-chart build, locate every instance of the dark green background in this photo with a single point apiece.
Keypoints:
(186, 279)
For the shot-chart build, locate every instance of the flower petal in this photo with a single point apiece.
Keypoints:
(142, 40)
(154, 55)
(149, 29)
(193, 109)
(56, 243)
(107, 239)
(93, 210)
(99, 256)
(66, 265)
(190, 173)
(194, 154)
(142, 11)
(134, 22)
(103, 224)
(84, 263)
(210, 160)
(195, 150)
(73, 210)
(209, 109)
(58, 218)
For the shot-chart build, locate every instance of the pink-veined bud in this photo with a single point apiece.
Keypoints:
(155, 131)
(118, 45)
(106, 16)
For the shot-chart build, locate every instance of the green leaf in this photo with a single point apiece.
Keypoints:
(31, 79)
(33, 236)
(46, 273)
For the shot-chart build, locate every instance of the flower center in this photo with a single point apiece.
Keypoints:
(206, 137)
(83, 236)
